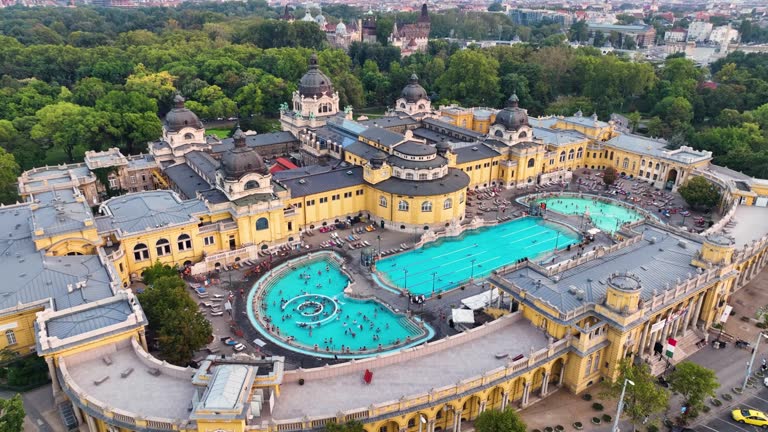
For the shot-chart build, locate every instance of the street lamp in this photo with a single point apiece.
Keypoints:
(752, 360)
(621, 405)
(472, 274)
(405, 279)
(379, 238)
(557, 241)
(434, 274)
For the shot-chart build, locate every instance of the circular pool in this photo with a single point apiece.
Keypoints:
(302, 306)
(606, 214)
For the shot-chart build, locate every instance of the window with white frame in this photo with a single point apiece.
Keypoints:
(184, 242)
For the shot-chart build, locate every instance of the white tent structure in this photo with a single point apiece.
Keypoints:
(463, 316)
(481, 300)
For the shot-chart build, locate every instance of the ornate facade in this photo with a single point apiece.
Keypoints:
(218, 203)
(412, 38)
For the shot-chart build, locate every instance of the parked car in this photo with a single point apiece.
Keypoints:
(750, 417)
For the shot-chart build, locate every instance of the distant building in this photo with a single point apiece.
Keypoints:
(287, 15)
(412, 38)
(529, 17)
(724, 35)
(643, 35)
(699, 31)
(342, 35)
(675, 35)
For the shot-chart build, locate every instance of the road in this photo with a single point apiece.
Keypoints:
(730, 365)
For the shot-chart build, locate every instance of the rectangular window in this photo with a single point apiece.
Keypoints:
(290, 226)
(477, 166)
(310, 203)
(210, 240)
(299, 205)
(422, 176)
(495, 163)
(143, 178)
(347, 194)
(10, 336)
(113, 183)
(359, 192)
(335, 197)
(468, 169)
(133, 179)
(323, 200)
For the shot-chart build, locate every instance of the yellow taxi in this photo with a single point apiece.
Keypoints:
(752, 417)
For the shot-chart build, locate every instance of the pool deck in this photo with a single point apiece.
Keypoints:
(409, 377)
(750, 224)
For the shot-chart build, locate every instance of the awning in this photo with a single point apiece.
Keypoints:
(593, 231)
(463, 316)
(259, 342)
(481, 300)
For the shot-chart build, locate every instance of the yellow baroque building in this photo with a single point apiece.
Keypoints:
(74, 245)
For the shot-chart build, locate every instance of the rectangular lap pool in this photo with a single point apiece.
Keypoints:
(448, 262)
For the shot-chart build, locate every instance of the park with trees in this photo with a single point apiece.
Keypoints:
(89, 78)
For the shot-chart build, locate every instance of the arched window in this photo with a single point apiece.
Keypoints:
(642, 162)
(403, 205)
(262, 224)
(10, 337)
(499, 133)
(184, 242)
(140, 252)
(562, 156)
(383, 201)
(421, 107)
(611, 157)
(426, 206)
(402, 105)
(625, 163)
(448, 203)
(579, 153)
(251, 184)
(657, 165)
(531, 162)
(188, 136)
(570, 154)
(163, 247)
(522, 135)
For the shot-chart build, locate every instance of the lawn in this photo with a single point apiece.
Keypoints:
(220, 133)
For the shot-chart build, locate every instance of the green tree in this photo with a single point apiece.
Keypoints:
(493, 420)
(645, 398)
(699, 192)
(173, 315)
(350, 426)
(609, 176)
(634, 120)
(61, 125)
(694, 383)
(471, 78)
(12, 414)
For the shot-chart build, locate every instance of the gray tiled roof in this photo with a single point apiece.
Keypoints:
(59, 212)
(558, 137)
(257, 141)
(413, 148)
(393, 121)
(302, 184)
(455, 180)
(475, 152)
(88, 320)
(658, 263)
(187, 180)
(361, 149)
(30, 276)
(430, 135)
(143, 211)
(653, 148)
(204, 163)
(382, 136)
(449, 126)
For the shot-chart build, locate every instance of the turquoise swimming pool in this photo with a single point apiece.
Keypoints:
(448, 262)
(606, 216)
(303, 307)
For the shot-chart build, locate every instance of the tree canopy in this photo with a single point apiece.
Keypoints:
(699, 192)
(643, 399)
(173, 315)
(493, 420)
(12, 414)
(693, 382)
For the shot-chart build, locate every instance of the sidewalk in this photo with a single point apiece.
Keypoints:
(572, 408)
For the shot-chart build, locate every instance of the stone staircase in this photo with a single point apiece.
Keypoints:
(685, 347)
